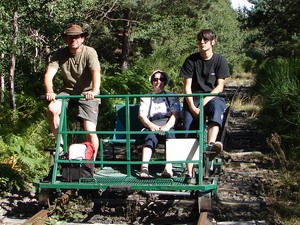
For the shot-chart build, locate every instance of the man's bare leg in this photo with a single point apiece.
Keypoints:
(54, 110)
(93, 138)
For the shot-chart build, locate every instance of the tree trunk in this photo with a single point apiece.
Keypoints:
(126, 40)
(2, 85)
(12, 65)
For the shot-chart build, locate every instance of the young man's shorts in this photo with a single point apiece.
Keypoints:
(87, 109)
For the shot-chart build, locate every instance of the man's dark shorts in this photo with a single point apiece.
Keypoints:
(87, 109)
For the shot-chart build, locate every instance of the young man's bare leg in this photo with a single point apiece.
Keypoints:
(212, 134)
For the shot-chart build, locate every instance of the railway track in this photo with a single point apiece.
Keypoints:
(245, 179)
(247, 174)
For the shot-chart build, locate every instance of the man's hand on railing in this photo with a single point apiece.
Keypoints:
(90, 95)
(50, 96)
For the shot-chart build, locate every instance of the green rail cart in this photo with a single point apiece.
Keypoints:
(122, 174)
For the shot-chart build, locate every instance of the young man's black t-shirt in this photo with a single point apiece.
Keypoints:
(204, 73)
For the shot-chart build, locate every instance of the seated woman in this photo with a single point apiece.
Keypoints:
(157, 114)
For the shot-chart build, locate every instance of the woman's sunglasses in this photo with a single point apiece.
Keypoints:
(162, 79)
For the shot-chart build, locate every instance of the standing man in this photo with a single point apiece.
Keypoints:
(205, 72)
(80, 69)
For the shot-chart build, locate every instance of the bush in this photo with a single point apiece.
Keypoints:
(278, 84)
(24, 134)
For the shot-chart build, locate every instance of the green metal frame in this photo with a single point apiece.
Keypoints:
(129, 179)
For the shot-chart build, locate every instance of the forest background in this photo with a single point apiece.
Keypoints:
(133, 38)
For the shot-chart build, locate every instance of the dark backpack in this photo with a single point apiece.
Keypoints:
(75, 171)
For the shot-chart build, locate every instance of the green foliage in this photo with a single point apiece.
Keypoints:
(10, 180)
(278, 84)
(67, 212)
(21, 163)
(275, 26)
(24, 134)
(124, 82)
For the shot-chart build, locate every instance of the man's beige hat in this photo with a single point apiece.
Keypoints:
(74, 29)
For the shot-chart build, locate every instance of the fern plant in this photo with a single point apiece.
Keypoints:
(23, 136)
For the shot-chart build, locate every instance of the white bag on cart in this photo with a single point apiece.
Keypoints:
(84, 151)
(182, 149)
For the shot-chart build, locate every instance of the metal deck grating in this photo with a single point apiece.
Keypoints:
(115, 177)
(139, 181)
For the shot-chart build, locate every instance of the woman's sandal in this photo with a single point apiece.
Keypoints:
(144, 173)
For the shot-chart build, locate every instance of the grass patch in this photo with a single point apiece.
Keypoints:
(245, 79)
(250, 105)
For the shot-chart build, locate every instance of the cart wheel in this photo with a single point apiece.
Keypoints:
(204, 201)
(44, 198)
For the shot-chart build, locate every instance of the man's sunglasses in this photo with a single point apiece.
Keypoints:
(204, 39)
(161, 79)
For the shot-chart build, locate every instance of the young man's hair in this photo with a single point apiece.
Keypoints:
(206, 34)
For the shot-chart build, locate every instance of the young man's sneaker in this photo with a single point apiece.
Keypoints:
(215, 148)
(187, 175)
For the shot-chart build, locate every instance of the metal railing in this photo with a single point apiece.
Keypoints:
(134, 182)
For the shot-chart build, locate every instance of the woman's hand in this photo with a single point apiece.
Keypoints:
(154, 127)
